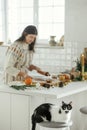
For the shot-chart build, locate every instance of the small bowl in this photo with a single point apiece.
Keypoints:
(1, 43)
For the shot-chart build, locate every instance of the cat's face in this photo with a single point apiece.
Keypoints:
(66, 108)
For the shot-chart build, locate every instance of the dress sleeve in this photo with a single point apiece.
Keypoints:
(12, 55)
(30, 58)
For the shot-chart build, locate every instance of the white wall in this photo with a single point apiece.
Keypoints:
(76, 21)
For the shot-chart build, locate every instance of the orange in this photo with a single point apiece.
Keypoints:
(28, 81)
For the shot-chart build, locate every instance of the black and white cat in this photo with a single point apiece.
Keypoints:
(50, 112)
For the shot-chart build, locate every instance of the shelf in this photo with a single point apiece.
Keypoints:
(49, 47)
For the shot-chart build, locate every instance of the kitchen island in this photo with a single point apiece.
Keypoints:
(16, 106)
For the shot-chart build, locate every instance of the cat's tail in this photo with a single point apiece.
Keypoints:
(33, 125)
(36, 119)
(33, 122)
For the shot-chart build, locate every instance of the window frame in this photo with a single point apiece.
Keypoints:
(35, 21)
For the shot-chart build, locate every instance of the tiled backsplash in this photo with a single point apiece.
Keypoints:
(51, 59)
(56, 60)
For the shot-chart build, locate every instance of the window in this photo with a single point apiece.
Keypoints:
(20, 14)
(1, 25)
(47, 15)
(51, 18)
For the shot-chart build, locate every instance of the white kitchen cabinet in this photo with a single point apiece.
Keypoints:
(19, 112)
(4, 111)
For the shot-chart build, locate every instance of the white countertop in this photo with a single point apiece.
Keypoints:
(70, 89)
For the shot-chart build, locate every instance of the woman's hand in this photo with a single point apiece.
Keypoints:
(23, 75)
(47, 74)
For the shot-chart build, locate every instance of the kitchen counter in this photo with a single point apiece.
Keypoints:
(56, 92)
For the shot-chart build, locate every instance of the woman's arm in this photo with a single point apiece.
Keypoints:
(11, 59)
(33, 67)
(24, 75)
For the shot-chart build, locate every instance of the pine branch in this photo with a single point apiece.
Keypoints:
(21, 87)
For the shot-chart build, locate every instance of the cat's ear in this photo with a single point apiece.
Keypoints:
(63, 103)
(70, 103)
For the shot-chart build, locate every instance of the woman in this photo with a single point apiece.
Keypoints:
(19, 56)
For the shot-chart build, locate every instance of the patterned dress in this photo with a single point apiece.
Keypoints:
(18, 58)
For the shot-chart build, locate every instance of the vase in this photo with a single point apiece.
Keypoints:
(52, 41)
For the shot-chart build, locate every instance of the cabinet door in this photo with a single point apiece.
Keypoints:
(19, 112)
(4, 111)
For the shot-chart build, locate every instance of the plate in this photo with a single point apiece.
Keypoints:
(16, 83)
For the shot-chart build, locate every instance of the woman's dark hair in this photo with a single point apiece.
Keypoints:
(28, 30)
